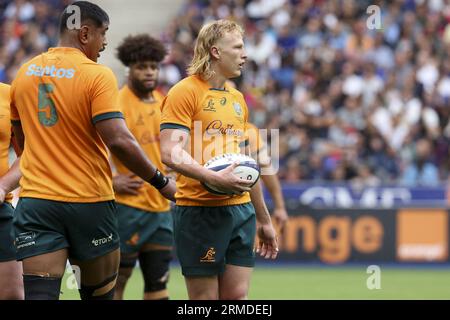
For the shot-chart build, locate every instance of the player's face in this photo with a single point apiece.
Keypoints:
(97, 41)
(144, 76)
(232, 55)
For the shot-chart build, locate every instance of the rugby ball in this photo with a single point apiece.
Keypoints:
(247, 169)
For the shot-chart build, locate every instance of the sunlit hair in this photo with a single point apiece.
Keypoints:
(208, 36)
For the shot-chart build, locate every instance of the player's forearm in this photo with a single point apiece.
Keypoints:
(128, 151)
(256, 195)
(10, 180)
(182, 162)
(273, 186)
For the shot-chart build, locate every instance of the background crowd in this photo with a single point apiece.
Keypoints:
(352, 103)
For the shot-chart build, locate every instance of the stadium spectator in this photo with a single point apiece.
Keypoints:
(422, 170)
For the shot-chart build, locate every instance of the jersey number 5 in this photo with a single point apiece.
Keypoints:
(47, 109)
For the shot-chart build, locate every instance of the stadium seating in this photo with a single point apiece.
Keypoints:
(352, 103)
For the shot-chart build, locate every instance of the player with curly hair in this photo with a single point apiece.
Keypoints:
(145, 222)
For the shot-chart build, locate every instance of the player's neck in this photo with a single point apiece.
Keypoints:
(143, 96)
(66, 43)
(217, 81)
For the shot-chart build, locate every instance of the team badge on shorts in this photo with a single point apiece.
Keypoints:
(209, 256)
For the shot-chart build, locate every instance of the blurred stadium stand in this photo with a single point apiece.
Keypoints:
(368, 107)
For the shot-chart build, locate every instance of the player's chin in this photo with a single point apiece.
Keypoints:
(235, 74)
(148, 87)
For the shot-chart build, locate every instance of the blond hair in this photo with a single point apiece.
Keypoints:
(208, 36)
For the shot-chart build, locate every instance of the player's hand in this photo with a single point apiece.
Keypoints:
(267, 246)
(169, 190)
(227, 180)
(127, 184)
(280, 218)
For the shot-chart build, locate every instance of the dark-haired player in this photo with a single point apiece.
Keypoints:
(65, 112)
(145, 222)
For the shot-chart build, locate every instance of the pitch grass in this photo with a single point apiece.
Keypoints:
(322, 283)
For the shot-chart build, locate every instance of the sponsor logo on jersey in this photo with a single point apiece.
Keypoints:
(49, 71)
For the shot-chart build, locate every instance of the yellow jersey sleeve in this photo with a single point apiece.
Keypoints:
(104, 103)
(178, 108)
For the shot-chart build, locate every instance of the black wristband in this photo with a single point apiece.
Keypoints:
(159, 181)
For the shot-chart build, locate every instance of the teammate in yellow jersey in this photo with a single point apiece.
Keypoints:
(145, 222)
(258, 150)
(11, 284)
(202, 117)
(65, 112)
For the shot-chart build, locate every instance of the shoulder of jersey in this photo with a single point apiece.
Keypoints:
(190, 83)
(93, 70)
(237, 95)
(235, 92)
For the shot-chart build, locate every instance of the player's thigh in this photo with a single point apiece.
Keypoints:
(51, 264)
(234, 282)
(96, 270)
(202, 288)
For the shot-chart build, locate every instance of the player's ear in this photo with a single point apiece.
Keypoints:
(215, 52)
(83, 34)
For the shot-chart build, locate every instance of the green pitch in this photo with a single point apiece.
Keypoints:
(301, 283)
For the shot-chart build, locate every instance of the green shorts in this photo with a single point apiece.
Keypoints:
(87, 230)
(7, 250)
(207, 238)
(138, 227)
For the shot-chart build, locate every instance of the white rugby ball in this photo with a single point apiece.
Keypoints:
(247, 169)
